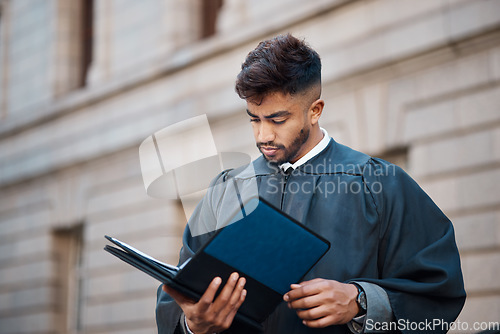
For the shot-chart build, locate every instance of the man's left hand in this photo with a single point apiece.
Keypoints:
(321, 303)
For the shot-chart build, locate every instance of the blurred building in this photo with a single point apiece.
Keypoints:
(83, 82)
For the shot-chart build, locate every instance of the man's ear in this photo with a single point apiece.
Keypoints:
(315, 111)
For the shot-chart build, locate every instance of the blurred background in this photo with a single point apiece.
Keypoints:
(84, 82)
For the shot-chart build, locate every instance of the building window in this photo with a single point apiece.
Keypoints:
(67, 252)
(86, 39)
(397, 156)
(4, 57)
(74, 46)
(209, 11)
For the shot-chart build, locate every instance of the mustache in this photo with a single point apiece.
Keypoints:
(270, 144)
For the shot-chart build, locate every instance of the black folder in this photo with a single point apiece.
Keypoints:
(264, 245)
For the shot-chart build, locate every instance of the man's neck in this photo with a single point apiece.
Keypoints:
(315, 137)
(315, 150)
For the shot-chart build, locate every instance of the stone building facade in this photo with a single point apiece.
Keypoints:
(83, 82)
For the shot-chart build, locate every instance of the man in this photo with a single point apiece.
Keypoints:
(393, 264)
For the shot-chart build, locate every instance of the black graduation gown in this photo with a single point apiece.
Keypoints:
(382, 226)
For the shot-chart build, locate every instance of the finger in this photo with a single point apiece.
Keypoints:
(296, 286)
(286, 297)
(304, 283)
(303, 291)
(306, 302)
(234, 299)
(321, 322)
(313, 313)
(226, 293)
(232, 314)
(242, 298)
(208, 297)
(236, 296)
(313, 281)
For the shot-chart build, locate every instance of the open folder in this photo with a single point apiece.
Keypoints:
(264, 245)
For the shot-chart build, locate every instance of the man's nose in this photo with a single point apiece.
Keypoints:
(266, 133)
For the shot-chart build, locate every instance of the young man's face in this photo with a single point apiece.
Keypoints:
(282, 126)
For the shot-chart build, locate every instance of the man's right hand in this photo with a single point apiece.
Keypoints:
(209, 315)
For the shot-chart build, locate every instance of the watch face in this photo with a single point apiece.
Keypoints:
(362, 299)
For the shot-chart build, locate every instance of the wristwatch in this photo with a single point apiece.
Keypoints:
(361, 300)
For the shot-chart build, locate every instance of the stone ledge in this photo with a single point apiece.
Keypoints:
(152, 70)
(39, 322)
(480, 272)
(17, 300)
(198, 52)
(464, 151)
(485, 308)
(119, 284)
(118, 312)
(477, 232)
(32, 272)
(461, 193)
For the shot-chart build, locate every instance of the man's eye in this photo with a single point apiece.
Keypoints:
(278, 122)
(254, 120)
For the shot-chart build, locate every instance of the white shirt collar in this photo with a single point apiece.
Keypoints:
(309, 155)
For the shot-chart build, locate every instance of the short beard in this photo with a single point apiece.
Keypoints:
(290, 152)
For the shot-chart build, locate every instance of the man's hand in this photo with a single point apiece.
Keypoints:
(209, 315)
(321, 303)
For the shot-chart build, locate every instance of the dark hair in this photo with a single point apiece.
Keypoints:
(282, 64)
